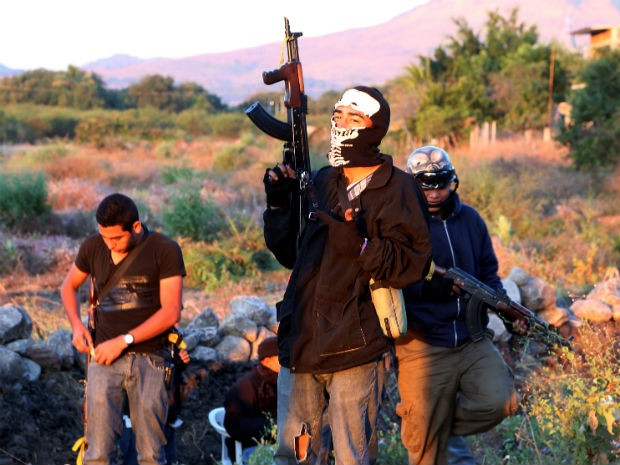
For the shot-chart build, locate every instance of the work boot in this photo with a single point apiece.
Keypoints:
(458, 452)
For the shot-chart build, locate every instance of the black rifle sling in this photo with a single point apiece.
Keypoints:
(118, 273)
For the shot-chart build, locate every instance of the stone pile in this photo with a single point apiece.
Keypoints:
(236, 337)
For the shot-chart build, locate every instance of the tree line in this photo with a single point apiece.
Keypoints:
(502, 73)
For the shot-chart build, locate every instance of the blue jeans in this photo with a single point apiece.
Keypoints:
(351, 397)
(140, 378)
(127, 446)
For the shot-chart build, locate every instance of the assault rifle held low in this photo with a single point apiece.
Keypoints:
(80, 445)
(480, 296)
(294, 132)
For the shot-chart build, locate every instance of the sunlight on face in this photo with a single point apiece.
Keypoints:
(348, 118)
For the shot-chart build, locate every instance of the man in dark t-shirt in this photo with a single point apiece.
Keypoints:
(133, 318)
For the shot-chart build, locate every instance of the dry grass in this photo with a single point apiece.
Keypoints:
(514, 148)
(555, 223)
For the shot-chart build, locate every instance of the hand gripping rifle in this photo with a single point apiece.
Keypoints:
(294, 132)
(480, 296)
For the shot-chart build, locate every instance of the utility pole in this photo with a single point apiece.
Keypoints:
(551, 70)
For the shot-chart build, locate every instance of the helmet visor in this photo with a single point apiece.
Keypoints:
(435, 179)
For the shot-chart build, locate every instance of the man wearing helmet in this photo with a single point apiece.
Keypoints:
(368, 222)
(450, 386)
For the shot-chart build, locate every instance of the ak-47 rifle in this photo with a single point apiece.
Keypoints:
(80, 445)
(294, 132)
(480, 296)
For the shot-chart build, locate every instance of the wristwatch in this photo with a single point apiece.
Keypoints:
(128, 338)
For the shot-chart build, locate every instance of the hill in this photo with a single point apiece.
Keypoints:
(337, 60)
(370, 55)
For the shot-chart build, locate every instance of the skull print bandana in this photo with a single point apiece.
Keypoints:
(360, 146)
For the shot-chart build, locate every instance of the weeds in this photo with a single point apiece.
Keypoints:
(570, 410)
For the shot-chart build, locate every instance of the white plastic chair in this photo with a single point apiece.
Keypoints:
(216, 418)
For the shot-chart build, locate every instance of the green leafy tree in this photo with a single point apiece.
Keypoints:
(472, 80)
(155, 91)
(593, 134)
(520, 103)
(72, 88)
(192, 95)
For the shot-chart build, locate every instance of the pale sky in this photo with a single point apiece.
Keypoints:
(53, 34)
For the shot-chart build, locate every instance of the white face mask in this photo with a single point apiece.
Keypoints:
(359, 146)
(359, 101)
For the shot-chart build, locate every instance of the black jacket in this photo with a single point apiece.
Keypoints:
(327, 320)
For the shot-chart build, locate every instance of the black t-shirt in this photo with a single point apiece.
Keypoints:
(135, 297)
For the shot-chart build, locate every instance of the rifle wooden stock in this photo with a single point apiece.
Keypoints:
(480, 296)
(292, 76)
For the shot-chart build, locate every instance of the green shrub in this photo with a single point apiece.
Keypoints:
(174, 174)
(241, 254)
(8, 256)
(10, 128)
(23, 201)
(112, 127)
(194, 121)
(577, 404)
(191, 216)
(570, 409)
(228, 158)
(29, 123)
(212, 265)
(228, 124)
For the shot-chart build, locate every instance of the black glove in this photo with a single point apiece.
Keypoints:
(343, 236)
(438, 289)
(279, 192)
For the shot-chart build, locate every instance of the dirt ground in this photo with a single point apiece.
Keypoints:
(40, 421)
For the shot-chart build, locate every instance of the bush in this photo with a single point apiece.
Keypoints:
(29, 123)
(177, 174)
(110, 128)
(192, 217)
(570, 409)
(212, 265)
(194, 121)
(228, 158)
(577, 405)
(23, 201)
(240, 255)
(228, 124)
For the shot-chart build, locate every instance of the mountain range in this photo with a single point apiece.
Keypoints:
(370, 55)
